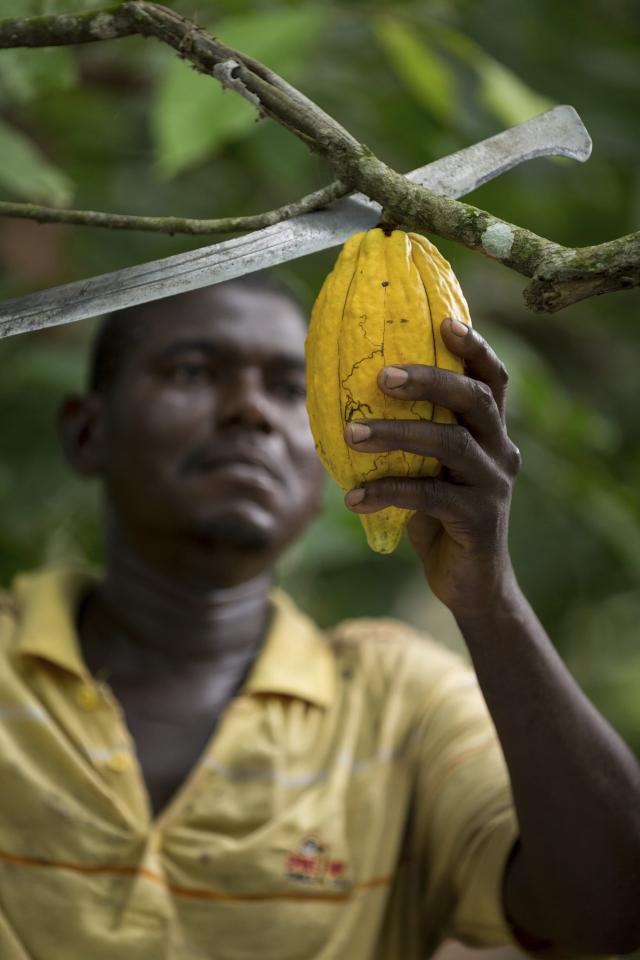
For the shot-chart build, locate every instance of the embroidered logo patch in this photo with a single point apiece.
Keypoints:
(311, 863)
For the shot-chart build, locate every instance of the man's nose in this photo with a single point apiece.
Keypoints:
(245, 401)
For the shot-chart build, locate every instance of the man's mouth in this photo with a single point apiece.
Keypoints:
(238, 460)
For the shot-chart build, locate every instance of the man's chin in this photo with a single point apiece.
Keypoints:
(234, 531)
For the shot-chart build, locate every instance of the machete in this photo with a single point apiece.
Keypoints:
(559, 132)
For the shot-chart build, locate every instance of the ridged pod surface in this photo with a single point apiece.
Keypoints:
(382, 304)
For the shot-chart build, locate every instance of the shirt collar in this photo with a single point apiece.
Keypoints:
(296, 659)
(47, 603)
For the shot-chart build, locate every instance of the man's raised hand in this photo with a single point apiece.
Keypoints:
(460, 528)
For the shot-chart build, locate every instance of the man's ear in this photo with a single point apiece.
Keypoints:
(81, 430)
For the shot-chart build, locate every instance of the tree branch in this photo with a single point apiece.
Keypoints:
(560, 275)
(117, 221)
(108, 23)
(576, 274)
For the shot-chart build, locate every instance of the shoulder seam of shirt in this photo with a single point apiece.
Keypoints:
(356, 630)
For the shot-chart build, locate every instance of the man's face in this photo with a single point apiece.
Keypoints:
(206, 430)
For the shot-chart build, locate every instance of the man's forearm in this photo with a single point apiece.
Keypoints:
(575, 878)
(576, 786)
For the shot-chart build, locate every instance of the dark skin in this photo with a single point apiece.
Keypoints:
(191, 543)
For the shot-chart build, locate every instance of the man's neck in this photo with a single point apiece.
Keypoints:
(153, 616)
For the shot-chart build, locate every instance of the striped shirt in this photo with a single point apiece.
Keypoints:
(353, 801)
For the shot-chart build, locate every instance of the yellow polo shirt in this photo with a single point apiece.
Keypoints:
(352, 803)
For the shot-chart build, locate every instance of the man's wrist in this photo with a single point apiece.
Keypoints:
(493, 602)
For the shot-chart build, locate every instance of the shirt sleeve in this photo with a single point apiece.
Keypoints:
(464, 823)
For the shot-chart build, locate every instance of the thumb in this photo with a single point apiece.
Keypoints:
(423, 531)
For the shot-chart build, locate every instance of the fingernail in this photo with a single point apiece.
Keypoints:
(354, 497)
(395, 376)
(359, 432)
(458, 327)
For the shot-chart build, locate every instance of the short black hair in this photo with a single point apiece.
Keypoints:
(119, 332)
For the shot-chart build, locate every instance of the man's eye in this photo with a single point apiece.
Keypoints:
(188, 373)
(291, 389)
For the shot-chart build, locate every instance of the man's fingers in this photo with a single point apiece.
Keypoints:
(449, 443)
(480, 360)
(437, 498)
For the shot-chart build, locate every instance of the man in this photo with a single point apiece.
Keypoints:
(192, 769)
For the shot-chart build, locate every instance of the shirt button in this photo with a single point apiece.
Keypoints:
(87, 698)
(119, 761)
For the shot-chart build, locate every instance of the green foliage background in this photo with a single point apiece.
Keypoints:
(126, 126)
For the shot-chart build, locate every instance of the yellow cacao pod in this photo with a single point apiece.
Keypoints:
(381, 305)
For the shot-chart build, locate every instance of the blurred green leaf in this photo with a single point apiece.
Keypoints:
(421, 68)
(563, 442)
(506, 96)
(39, 8)
(39, 485)
(27, 74)
(538, 398)
(193, 116)
(500, 90)
(587, 492)
(26, 173)
(602, 644)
